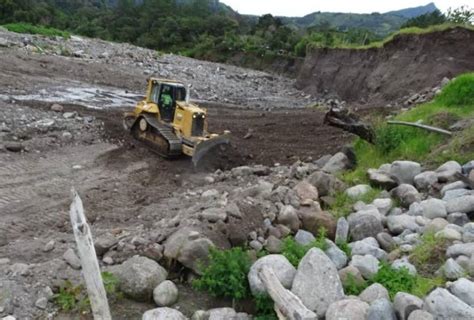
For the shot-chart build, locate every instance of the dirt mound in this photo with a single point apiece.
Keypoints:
(406, 65)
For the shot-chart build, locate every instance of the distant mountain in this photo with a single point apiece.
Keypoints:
(379, 23)
(414, 12)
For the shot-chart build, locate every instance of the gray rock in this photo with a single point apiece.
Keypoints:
(381, 309)
(464, 204)
(49, 246)
(304, 237)
(337, 256)
(436, 225)
(456, 193)
(289, 217)
(433, 208)
(383, 205)
(443, 305)
(460, 249)
(382, 179)
(256, 245)
(404, 263)
(386, 241)
(221, 313)
(358, 191)
(364, 247)
(194, 254)
(468, 167)
(400, 223)
(342, 230)
(317, 282)
(405, 171)
(327, 184)
(363, 225)
(453, 186)
(405, 303)
(213, 214)
(57, 108)
(72, 259)
(458, 218)
(420, 315)
(103, 243)
(351, 272)
(449, 234)
(14, 146)
(41, 303)
(273, 244)
(464, 290)
(306, 191)
(163, 314)
(425, 180)
(349, 308)
(165, 294)
(338, 163)
(468, 232)
(452, 270)
(139, 276)
(447, 172)
(407, 194)
(374, 292)
(283, 269)
(367, 265)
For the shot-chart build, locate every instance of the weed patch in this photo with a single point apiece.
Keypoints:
(32, 29)
(294, 251)
(430, 254)
(343, 204)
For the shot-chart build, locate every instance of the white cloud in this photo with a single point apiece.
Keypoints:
(303, 7)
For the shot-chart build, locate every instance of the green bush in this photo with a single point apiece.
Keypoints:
(32, 29)
(264, 306)
(430, 254)
(394, 280)
(294, 251)
(226, 274)
(459, 92)
(354, 287)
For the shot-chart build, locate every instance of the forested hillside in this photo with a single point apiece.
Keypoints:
(205, 29)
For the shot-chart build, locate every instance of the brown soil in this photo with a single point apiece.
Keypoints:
(379, 76)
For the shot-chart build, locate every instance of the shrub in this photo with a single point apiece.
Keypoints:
(264, 306)
(429, 254)
(354, 287)
(32, 29)
(394, 280)
(226, 274)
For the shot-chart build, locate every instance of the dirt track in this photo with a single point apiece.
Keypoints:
(125, 187)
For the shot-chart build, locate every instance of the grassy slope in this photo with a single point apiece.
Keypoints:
(32, 29)
(398, 142)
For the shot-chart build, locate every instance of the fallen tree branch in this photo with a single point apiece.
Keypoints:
(421, 126)
(287, 305)
(344, 119)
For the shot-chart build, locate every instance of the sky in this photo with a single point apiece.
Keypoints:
(303, 7)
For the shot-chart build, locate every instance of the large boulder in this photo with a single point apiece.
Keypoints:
(313, 219)
(464, 290)
(363, 224)
(433, 208)
(163, 314)
(306, 191)
(289, 217)
(165, 294)
(425, 180)
(374, 292)
(447, 172)
(326, 183)
(405, 171)
(443, 305)
(338, 163)
(283, 269)
(368, 246)
(188, 247)
(382, 179)
(400, 223)
(405, 304)
(464, 204)
(138, 277)
(350, 308)
(317, 282)
(407, 194)
(381, 309)
(367, 265)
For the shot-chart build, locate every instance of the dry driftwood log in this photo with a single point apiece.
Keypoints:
(287, 305)
(421, 126)
(90, 265)
(344, 119)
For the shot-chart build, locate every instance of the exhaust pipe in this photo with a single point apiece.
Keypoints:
(188, 94)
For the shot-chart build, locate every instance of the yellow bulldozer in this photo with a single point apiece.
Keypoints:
(171, 126)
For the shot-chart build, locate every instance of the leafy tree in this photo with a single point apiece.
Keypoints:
(426, 20)
(461, 15)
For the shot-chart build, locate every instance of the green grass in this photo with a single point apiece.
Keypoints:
(36, 29)
(294, 251)
(430, 254)
(455, 102)
(343, 204)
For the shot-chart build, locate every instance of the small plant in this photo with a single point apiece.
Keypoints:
(226, 274)
(344, 246)
(295, 251)
(354, 287)
(430, 254)
(74, 298)
(264, 305)
(343, 204)
(394, 280)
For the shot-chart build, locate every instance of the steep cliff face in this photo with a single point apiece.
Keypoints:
(408, 64)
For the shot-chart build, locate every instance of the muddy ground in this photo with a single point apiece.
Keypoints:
(124, 186)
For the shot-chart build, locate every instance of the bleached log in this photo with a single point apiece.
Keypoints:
(421, 126)
(89, 263)
(287, 304)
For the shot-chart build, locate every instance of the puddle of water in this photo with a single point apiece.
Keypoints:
(91, 97)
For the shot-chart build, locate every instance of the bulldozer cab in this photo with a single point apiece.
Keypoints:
(165, 95)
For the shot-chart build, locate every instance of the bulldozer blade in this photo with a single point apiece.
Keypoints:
(206, 148)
